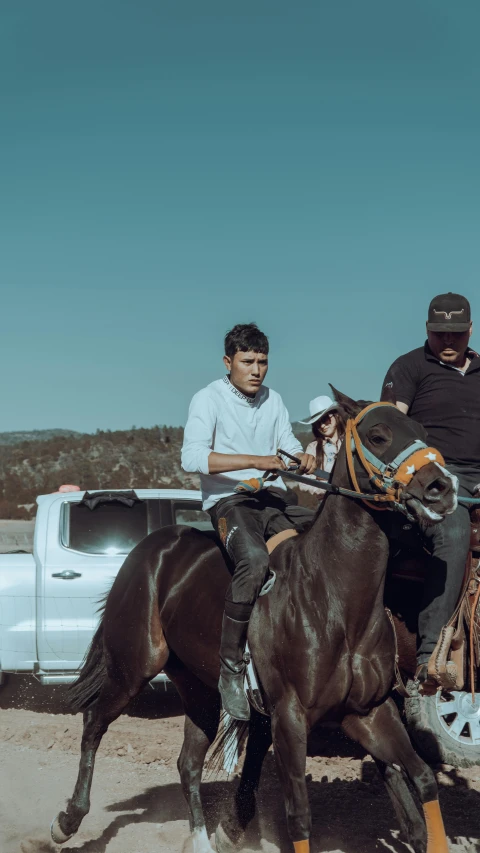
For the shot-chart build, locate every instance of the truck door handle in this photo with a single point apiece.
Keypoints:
(67, 575)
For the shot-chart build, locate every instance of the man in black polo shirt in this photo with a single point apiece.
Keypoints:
(439, 386)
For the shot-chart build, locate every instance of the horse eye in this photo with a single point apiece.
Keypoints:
(377, 439)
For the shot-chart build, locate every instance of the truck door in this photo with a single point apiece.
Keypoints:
(86, 545)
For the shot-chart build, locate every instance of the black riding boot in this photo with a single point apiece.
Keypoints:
(232, 668)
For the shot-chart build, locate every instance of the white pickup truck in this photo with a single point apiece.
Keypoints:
(49, 599)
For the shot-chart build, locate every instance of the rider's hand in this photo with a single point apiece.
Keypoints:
(308, 463)
(269, 463)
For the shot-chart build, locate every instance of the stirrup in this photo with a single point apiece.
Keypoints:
(426, 684)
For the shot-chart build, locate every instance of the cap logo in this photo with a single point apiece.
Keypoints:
(448, 314)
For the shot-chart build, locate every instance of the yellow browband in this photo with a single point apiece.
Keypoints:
(408, 468)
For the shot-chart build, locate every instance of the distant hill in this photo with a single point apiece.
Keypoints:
(35, 435)
(136, 458)
(38, 462)
(303, 433)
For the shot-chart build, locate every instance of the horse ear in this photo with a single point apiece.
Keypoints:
(350, 407)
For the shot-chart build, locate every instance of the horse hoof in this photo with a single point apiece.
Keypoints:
(223, 842)
(58, 836)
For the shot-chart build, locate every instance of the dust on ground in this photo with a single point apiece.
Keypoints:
(137, 804)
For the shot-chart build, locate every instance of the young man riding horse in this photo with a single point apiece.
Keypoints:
(323, 646)
(234, 429)
(439, 386)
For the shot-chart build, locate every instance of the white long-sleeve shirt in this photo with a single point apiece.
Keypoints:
(224, 420)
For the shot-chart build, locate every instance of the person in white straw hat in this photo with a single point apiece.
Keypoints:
(328, 428)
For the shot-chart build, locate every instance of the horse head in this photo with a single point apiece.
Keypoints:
(390, 454)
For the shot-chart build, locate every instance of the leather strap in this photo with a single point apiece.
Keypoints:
(399, 685)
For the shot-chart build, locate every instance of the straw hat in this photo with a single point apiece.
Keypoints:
(319, 407)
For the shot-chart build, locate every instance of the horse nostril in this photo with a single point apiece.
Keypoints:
(436, 488)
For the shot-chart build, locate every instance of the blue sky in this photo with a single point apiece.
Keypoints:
(168, 169)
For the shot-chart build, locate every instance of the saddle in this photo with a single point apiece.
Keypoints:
(279, 537)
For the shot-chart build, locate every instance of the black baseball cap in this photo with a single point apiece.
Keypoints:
(449, 312)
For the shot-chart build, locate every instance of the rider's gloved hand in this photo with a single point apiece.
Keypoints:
(308, 463)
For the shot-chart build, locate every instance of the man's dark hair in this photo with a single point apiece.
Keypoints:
(246, 337)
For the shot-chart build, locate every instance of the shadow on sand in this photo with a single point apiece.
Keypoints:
(348, 816)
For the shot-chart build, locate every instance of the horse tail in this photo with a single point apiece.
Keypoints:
(92, 675)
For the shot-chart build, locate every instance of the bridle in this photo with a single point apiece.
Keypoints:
(389, 478)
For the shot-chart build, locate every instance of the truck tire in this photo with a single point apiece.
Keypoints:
(445, 728)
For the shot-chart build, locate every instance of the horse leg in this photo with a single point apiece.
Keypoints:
(258, 744)
(202, 715)
(112, 700)
(289, 731)
(231, 829)
(408, 816)
(382, 734)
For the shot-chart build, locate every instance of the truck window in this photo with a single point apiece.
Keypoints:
(110, 528)
(188, 512)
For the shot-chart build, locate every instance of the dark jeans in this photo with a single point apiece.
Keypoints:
(243, 522)
(448, 544)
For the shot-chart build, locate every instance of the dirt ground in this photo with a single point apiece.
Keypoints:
(137, 804)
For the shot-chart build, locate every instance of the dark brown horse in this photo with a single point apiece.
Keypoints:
(322, 645)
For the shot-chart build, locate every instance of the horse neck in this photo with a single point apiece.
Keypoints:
(345, 538)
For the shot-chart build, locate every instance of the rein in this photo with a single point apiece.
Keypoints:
(330, 487)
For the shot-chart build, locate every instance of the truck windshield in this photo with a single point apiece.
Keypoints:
(110, 528)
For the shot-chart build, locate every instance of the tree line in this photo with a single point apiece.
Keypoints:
(108, 459)
(142, 458)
